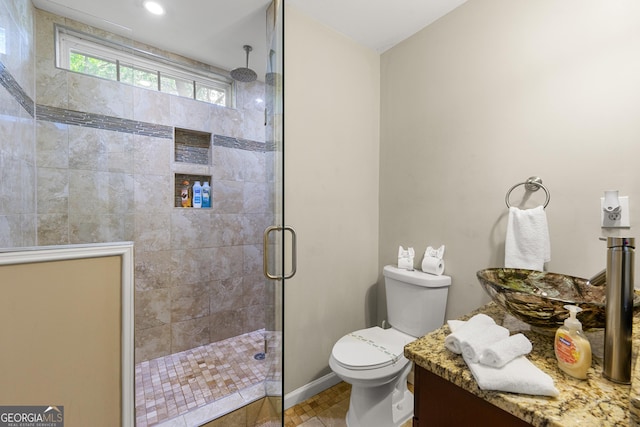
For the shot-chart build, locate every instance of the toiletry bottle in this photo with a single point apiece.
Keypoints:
(197, 195)
(206, 195)
(184, 195)
(572, 348)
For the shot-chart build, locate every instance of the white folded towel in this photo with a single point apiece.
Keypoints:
(473, 347)
(455, 324)
(471, 327)
(527, 243)
(504, 351)
(517, 376)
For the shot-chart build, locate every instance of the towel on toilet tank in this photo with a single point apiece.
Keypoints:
(527, 242)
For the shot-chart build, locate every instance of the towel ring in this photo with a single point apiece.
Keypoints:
(534, 183)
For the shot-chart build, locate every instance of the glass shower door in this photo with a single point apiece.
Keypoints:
(273, 244)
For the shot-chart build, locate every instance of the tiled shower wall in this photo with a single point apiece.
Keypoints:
(105, 172)
(17, 136)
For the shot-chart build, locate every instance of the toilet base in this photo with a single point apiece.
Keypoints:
(387, 405)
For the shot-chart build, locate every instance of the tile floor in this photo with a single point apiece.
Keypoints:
(223, 382)
(326, 409)
(263, 413)
(197, 385)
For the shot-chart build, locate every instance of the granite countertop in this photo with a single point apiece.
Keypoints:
(591, 402)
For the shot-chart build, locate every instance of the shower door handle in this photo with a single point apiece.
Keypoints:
(265, 252)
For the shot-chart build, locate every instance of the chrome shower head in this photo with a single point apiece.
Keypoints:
(244, 74)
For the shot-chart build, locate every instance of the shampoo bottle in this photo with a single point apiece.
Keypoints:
(184, 195)
(206, 195)
(197, 195)
(572, 348)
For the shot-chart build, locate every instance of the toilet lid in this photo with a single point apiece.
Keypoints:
(370, 348)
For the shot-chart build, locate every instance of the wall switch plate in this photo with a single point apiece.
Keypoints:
(622, 220)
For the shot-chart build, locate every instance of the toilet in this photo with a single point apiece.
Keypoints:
(372, 360)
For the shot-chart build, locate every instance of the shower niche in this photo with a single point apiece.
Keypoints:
(192, 146)
(192, 154)
(190, 179)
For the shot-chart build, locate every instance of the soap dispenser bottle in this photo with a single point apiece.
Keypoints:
(571, 346)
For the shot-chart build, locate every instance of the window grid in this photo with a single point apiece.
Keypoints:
(87, 55)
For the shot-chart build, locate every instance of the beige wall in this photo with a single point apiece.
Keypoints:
(497, 91)
(331, 187)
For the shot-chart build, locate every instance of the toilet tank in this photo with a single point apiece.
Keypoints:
(416, 301)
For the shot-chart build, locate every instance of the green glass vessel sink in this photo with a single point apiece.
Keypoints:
(538, 297)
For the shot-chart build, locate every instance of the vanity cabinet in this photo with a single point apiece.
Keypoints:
(440, 403)
(446, 393)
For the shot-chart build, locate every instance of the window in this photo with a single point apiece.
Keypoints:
(90, 55)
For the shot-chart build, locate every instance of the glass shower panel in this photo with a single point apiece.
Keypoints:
(274, 244)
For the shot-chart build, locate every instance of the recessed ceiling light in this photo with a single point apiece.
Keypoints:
(154, 7)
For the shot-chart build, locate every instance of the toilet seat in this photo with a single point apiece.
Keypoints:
(370, 348)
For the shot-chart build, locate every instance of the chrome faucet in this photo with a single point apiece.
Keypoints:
(598, 279)
(619, 309)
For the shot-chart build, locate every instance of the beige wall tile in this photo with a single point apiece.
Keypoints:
(152, 342)
(153, 270)
(189, 301)
(152, 308)
(189, 334)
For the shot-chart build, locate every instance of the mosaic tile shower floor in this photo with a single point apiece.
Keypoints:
(226, 372)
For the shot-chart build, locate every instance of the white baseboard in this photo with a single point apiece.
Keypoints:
(303, 393)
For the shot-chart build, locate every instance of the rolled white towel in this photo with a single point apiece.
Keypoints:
(504, 351)
(455, 324)
(474, 345)
(470, 328)
(517, 376)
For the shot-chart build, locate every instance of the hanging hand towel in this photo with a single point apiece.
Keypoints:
(527, 243)
(517, 376)
(504, 351)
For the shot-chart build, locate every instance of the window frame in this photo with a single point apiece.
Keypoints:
(69, 40)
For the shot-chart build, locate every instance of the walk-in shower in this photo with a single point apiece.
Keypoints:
(106, 162)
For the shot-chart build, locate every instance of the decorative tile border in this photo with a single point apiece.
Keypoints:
(14, 88)
(242, 144)
(101, 121)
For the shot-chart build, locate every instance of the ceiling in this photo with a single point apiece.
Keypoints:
(377, 24)
(214, 31)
